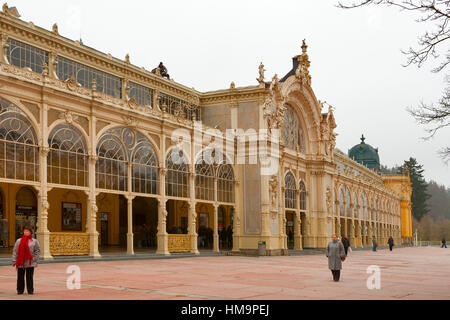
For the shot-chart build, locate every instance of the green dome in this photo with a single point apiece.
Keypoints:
(366, 155)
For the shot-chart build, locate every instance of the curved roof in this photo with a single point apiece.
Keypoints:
(365, 154)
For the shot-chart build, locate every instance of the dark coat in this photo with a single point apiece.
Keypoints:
(391, 241)
(345, 243)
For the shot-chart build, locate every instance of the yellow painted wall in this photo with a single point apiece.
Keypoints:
(55, 198)
(109, 203)
(401, 184)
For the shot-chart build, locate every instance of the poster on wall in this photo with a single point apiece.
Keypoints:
(204, 220)
(71, 216)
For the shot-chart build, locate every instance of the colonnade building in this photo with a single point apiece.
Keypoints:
(97, 153)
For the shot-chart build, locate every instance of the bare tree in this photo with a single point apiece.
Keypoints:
(431, 44)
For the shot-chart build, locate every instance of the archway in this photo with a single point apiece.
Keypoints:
(26, 211)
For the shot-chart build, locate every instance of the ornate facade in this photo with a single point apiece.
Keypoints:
(87, 145)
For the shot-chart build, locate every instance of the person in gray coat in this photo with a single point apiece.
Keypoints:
(335, 253)
(25, 258)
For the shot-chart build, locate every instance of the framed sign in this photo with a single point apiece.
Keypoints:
(204, 220)
(71, 216)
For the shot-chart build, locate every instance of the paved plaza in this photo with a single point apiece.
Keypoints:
(407, 273)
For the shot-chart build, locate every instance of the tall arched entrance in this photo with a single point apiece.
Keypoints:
(26, 211)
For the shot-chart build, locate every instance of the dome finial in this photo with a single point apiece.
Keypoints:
(363, 139)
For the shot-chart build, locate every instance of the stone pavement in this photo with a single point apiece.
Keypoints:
(407, 273)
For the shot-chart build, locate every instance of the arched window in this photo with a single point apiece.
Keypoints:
(290, 191)
(177, 178)
(341, 202)
(116, 147)
(366, 210)
(348, 212)
(111, 167)
(361, 207)
(19, 151)
(302, 190)
(355, 206)
(67, 161)
(204, 179)
(335, 202)
(225, 183)
(145, 167)
(292, 133)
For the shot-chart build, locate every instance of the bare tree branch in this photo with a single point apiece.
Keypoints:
(432, 44)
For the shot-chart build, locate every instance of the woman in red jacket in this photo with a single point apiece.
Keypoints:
(25, 258)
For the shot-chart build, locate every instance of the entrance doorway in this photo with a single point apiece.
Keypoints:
(290, 216)
(104, 226)
(225, 228)
(145, 223)
(26, 211)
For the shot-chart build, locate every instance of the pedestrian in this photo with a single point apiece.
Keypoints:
(374, 243)
(391, 243)
(346, 244)
(444, 243)
(336, 254)
(25, 258)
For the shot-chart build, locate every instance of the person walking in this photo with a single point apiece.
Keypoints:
(25, 258)
(444, 243)
(391, 243)
(336, 254)
(346, 244)
(375, 244)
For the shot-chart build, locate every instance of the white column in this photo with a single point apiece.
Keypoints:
(130, 236)
(92, 209)
(163, 237)
(43, 234)
(216, 228)
(192, 223)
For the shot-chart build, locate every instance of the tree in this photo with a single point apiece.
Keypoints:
(432, 44)
(419, 195)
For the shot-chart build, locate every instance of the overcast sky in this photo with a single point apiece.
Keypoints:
(356, 59)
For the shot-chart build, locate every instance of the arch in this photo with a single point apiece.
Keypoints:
(302, 191)
(225, 183)
(177, 177)
(19, 151)
(67, 160)
(347, 202)
(204, 176)
(111, 167)
(145, 167)
(293, 133)
(342, 201)
(355, 205)
(290, 191)
(25, 210)
(295, 93)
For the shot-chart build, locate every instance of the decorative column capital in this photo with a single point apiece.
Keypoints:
(163, 171)
(44, 150)
(93, 158)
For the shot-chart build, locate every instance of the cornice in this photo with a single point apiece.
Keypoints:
(51, 42)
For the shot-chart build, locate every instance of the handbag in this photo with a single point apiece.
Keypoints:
(344, 257)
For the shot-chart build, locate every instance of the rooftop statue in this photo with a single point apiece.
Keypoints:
(162, 71)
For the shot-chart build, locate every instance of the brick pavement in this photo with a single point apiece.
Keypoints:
(407, 273)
